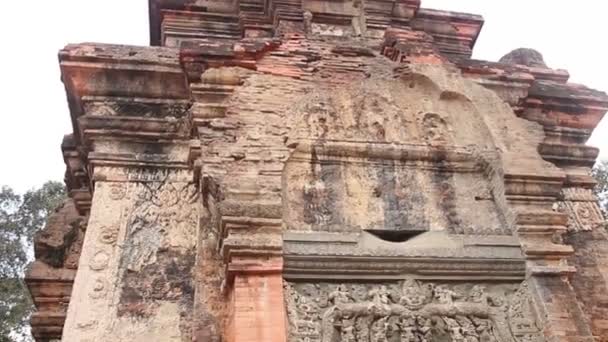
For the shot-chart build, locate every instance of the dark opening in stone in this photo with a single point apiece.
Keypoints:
(395, 235)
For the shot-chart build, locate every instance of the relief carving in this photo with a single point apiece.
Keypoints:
(520, 312)
(146, 109)
(317, 210)
(582, 215)
(163, 217)
(118, 191)
(98, 289)
(435, 128)
(307, 22)
(586, 216)
(108, 235)
(123, 179)
(410, 311)
(158, 260)
(99, 261)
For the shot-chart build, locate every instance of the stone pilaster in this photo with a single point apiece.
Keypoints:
(131, 108)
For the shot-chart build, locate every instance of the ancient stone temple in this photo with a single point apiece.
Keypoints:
(321, 171)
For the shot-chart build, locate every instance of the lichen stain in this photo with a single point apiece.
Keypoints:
(169, 279)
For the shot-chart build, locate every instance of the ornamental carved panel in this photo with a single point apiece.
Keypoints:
(410, 311)
(582, 208)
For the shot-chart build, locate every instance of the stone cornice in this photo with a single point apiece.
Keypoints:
(319, 255)
(453, 159)
(121, 71)
(123, 93)
(176, 22)
(454, 33)
(333, 268)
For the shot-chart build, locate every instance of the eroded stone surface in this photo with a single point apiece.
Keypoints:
(137, 267)
(403, 191)
(524, 56)
(50, 278)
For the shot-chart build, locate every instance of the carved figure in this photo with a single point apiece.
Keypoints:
(347, 330)
(483, 327)
(435, 128)
(521, 314)
(454, 329)
(317, 210)
(478, 295)
(308, 22)
(444, 295)
(411, 312)
(413, 297)
(362, 328)
(340, 295)
(407, 325)
(394, 329)
(468, 329)
(379, 305)
(379, 330)
(380, 296)
(306, 308)
(439, 329)
(424, 328)
(358, 21)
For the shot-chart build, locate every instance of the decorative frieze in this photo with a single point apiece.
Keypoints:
(411, 311)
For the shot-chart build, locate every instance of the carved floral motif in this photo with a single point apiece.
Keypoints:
(99, 261)
(108, 235)
(582, 215)
(157, 262)
(163, 217)
(410, 311)
(98, 288)
(118, 191)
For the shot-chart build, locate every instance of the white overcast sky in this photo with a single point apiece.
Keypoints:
(34, 113)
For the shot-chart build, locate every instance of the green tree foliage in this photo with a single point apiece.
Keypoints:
(600, 172)
(20, 218)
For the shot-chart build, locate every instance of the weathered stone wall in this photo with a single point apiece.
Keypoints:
(317, 143)
(590, 283)
(50, 278)
(136, 278)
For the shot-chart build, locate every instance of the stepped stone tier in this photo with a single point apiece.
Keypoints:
(321, 171)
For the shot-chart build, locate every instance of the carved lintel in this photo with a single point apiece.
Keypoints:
(410, 311)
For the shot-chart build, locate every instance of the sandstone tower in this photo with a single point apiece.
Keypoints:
(321, 171)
